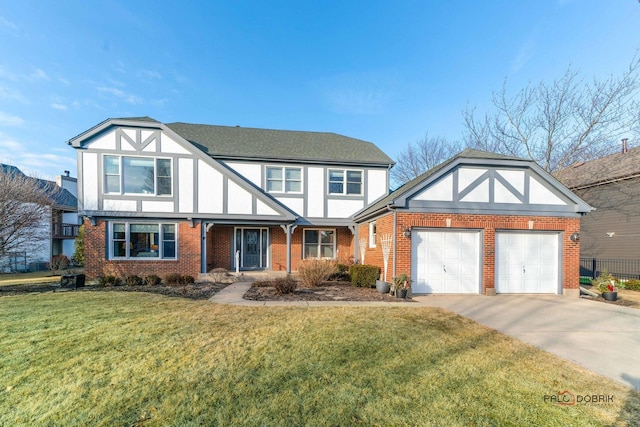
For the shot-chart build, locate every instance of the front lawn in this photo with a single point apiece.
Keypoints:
(93, 358)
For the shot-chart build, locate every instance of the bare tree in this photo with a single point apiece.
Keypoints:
(421, 156)
(24, 204)
(559, 123)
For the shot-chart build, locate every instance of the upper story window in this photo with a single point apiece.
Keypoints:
(284, 180)
(345, 181)
(137, 175)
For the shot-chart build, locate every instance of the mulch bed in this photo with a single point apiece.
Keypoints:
(329, 291)
(197, 291)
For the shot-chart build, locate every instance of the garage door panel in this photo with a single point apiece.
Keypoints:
(527, 262)
(445, 261)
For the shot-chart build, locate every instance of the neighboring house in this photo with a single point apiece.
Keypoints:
(479, 223)
(59, 226)
(185, 198)
(611, 185)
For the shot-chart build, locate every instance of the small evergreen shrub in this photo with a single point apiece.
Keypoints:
(133, 280)
(342, 273)
(313, 272)
(364, 276)
(285, 285)
(108, 281)
(152, 280)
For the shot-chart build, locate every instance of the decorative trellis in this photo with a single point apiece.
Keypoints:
(363, 242)
(386, 240)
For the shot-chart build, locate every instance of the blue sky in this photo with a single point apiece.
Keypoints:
(383, 71)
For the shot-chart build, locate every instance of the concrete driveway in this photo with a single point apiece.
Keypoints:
(603, 338)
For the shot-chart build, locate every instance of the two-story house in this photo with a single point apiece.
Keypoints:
(185, 198)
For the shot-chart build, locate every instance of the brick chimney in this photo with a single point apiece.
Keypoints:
(624, 145)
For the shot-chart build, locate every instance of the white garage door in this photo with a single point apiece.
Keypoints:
(445, 262)
(527, 263)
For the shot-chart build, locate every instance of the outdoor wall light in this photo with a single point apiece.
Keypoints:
(407, 233)
(575, 237)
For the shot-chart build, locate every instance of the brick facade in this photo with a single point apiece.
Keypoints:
(97, 264)
(489, 224)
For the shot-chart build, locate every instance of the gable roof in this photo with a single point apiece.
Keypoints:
(251, 143)
(228, 142)
(61, 197)
(614, 167)
(397, 198)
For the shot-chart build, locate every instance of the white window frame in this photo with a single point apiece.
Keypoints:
(345, 183)
(127, 241)
(372, 234)
(284, 179)
(319, 244)
(122, 177)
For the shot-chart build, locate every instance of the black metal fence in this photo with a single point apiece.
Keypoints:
(620, 268)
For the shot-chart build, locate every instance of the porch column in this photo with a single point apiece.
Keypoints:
(288, 231)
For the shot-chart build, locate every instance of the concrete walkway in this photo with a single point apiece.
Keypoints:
(603, 338)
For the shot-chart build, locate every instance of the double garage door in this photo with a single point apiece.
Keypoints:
(450, 262)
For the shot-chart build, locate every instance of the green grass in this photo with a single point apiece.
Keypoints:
(128, 359)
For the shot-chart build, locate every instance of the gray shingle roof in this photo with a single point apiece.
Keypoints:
(604, 169)
(239, 142)
(467, 154)
(61, 198)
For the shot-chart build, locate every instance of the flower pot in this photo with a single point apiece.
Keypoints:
(610, 296)
(402, 293)
(382, 286)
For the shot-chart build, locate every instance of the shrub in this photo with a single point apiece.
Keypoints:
(342, 273)
(633, 285)
(108, 281)
(59, 262)
(152, 280)
(363, 275)
(604, 281)
(178, 279)
(172, 279)
(285, 285)
(133, 280)
(78, 256)
(218, 274)
(313, 272)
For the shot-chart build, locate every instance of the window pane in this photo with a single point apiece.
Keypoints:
(354, 176)
(327, 251)
(164, 186)
(294, 186)
(326, 236)
(112, 165)
(144, 228)
(336, 176)
(274, 185)
(169, 249)
(311, 251)
(112, 184)
(293, 174)
(274, 173)
(310, 236)
(335, 188)
(353, 188)
(138, 175)
(164, 167)
(169, 231)
(119, 249)
(118, 231)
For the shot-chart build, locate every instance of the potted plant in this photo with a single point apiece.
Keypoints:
(403, 285)
(606, 284)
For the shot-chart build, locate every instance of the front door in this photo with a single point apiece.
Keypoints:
(253, 245)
